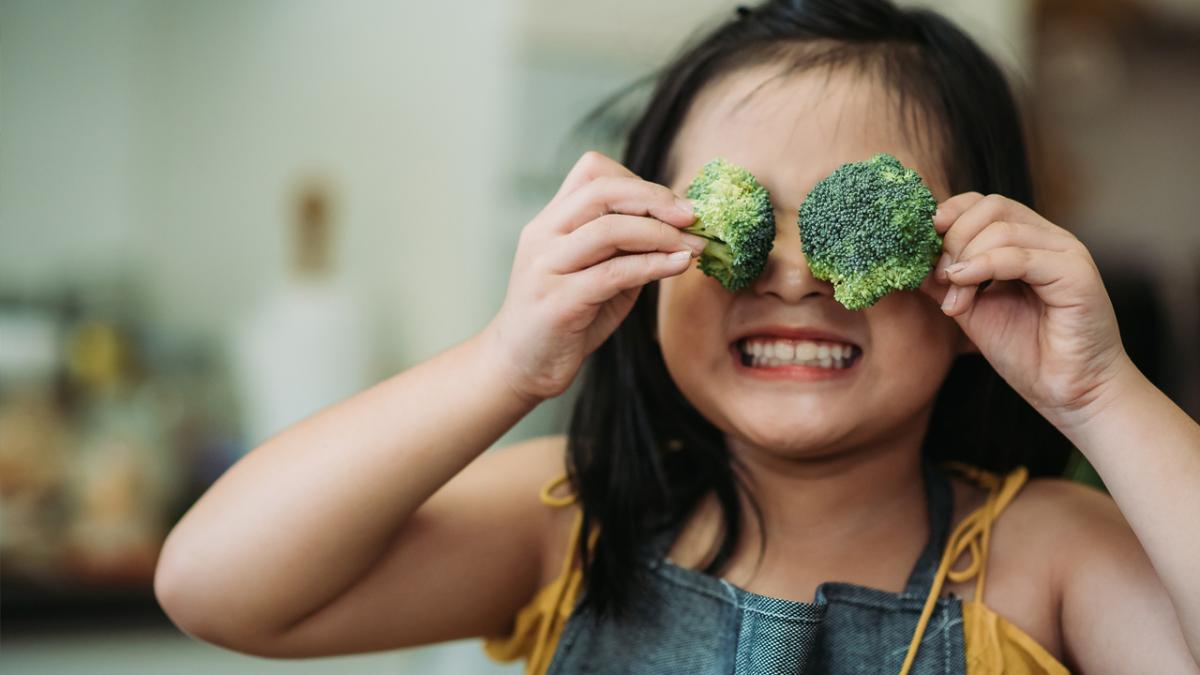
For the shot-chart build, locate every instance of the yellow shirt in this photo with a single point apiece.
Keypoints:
(993, 644)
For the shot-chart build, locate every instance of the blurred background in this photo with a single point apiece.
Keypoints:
(217, 218)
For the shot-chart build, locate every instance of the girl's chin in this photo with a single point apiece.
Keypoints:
(797, 413)
(792, 440)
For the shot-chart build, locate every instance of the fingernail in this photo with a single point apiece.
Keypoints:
(939, 271)
(696, 243)
(956, 268)
(948, 301)
(680, 256)
(684, 206)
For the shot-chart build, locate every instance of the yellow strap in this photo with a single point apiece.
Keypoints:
(539, 659)
(973, 534)
(550, 499)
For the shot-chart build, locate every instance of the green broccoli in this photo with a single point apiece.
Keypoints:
(868, 229)
(733, 211)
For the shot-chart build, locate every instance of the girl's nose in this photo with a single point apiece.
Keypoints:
(787, 275)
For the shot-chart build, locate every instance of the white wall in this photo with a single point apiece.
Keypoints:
(67, 133)
(165, 139)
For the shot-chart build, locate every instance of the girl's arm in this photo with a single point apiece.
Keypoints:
(1047, 326)
(298, 521)
(1147, 451)
(358, 528)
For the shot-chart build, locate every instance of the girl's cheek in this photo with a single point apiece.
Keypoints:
(690, 309)
(680, 296)
(907, 330)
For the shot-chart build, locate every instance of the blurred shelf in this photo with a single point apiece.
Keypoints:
(29, 607)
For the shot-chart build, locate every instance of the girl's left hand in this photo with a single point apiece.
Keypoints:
(1045, 322)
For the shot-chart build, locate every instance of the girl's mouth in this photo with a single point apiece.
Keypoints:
(795, 357)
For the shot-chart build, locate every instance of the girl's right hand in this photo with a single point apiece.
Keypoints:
(579, 267)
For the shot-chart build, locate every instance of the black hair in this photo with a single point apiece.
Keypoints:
(640, 456)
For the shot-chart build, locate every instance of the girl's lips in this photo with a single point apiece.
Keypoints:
(792, 372)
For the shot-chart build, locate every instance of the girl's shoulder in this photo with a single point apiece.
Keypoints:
(1044, 506)
(525, 479)
(557, 503)
(1060, 526)
(1045, 531)
(1049, 515)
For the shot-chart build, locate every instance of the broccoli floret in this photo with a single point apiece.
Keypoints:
(733, 211)
(868, 229)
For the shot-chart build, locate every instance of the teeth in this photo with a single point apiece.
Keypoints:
(785, 350)
(763, 353)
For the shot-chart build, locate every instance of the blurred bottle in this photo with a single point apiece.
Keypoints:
(304, 346)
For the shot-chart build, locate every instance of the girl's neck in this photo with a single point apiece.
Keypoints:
(831, 501)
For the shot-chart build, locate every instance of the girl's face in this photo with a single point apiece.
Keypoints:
(790, 132)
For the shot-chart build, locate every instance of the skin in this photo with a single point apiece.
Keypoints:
(380, 507)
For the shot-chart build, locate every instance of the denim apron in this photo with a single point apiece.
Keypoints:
(691, 622)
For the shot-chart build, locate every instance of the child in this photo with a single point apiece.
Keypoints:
(755, 482)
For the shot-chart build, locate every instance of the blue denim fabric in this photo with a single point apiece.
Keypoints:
(691, 622)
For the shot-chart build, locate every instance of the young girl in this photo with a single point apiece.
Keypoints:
(753, 482)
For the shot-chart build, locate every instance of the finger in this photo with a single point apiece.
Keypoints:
(982, 212)
(1045, 271)
(1002, 233)
(958, 299)
(618, 194)
(614, 234)
(590, 166)
(600, 283)
(947, 214)
(949, 210)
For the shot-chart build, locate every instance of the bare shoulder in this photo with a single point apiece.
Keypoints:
(539, 461)
(1066, 497)
(1071, 526)
(1045, 516)
(533, 461)
(1056, 512)
(1114, 613)
(1046, 533)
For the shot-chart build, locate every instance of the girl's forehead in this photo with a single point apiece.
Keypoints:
(791, 130)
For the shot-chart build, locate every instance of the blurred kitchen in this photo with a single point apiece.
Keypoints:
(217, 218)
